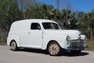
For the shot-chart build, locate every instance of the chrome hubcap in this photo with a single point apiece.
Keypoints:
(54, 49)
(13, 45)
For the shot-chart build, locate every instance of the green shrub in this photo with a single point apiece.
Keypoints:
(3, 40)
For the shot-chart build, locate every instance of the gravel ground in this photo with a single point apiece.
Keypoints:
(39, 56)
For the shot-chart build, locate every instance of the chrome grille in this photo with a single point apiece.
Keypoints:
(76, 44)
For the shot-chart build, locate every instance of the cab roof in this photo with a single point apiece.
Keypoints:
(35, 20)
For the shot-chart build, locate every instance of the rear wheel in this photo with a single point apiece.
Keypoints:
(54, 49)
(13, 46)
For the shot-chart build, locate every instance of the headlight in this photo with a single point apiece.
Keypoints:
(68, 41)
(68, 38)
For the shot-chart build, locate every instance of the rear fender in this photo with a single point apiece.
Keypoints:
(15, 38)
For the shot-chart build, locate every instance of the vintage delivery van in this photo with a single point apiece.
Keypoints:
(46, 35)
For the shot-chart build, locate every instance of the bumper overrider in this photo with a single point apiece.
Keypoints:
(76, 44)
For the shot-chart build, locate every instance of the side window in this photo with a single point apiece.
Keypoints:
(35, 26)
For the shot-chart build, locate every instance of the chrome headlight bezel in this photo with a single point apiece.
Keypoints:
(68, 40)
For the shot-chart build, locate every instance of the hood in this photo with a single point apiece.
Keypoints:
(73, 34)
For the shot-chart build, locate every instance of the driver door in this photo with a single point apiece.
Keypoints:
(35, 35)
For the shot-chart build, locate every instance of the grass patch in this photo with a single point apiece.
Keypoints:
(90, 44)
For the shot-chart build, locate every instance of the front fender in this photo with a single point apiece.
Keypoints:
(83, 37)
(61, 40)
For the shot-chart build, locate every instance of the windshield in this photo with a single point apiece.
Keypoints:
(49, 25)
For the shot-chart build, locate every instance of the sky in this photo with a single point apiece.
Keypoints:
(75, 5)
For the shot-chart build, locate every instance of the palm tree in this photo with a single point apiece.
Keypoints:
(66, 17)
(58, 3)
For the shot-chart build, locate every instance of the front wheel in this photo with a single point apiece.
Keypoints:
(13, 46)
(54, 49)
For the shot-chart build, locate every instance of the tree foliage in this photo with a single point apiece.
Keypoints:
(12, 10)
(9, 12)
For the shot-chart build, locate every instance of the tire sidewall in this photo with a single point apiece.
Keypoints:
(13, 48)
